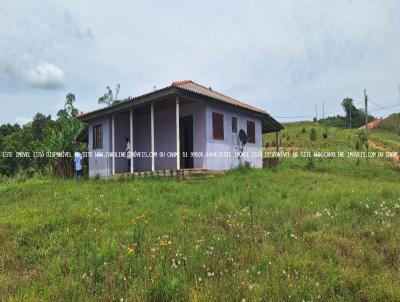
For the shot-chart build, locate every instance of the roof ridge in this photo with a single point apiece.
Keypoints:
(177, 83)
(220, 93)
(182, 85)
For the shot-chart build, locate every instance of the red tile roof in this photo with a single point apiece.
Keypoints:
(269, 124)
(371, 125)
(200, 89)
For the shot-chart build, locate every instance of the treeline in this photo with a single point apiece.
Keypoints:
(354, 118)
(42, 134)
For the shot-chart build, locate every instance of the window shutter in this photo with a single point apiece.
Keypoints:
(234, 124)
(97, 137)
(251, 132)
(218, 125)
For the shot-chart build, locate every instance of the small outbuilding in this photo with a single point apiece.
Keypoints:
(182, 126)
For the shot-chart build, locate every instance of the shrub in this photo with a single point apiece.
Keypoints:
(361, 140)
(310, 163)
(313, 134)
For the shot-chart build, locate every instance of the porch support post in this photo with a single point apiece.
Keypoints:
(277, 141)
(113, 142)
(131, 137)
(152, 135)
(178, 155)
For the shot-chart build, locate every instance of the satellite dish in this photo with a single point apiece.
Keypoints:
(242, 137)
(243, 140)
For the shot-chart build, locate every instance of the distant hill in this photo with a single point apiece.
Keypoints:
(358, 120)
(391, 123)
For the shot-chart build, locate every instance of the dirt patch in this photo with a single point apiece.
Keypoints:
(374, 145)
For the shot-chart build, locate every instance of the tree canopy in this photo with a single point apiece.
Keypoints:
(40, 135)
(108, 97)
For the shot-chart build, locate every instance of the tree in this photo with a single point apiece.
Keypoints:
(348, 107)
(313, 134)
(42, 134)
(361, 140)
(30, 138)
(5, 130)
(356, 116)
(17, 141)
(63, 137)
(39, 125)
(108, 96)
(69, 110)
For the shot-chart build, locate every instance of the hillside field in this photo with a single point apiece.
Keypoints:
(314, 232)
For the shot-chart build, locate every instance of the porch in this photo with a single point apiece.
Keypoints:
(161, 134)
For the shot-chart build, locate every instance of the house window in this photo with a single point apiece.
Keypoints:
(218, 125)
(234, 125)
(251, 132)
(97, 137)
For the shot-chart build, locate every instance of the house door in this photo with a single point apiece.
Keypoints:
(186, 141)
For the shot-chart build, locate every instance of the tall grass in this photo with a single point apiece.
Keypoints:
(289, 233)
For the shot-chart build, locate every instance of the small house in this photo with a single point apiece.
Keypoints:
(182, 126)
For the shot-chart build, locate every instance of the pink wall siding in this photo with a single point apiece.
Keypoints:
(165, 138)
(231, 140)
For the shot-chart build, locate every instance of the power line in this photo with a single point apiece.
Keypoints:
(305, 116)
(298, 116)
(383, 107)
(389, 108)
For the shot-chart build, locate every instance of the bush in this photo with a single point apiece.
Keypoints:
(313, 134)
(361, 140)
(310, 163)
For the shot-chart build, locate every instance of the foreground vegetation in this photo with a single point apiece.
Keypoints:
(289, 233)
(387, 139)
(309, 229)
(299, 135)
(391, 123)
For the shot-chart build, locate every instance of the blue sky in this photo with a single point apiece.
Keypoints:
(281, 56)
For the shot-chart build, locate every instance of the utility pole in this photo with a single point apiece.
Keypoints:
(398, 119)
(316, 115)
(366, 113)
(350, 117)
(366, 119)
(323, 110)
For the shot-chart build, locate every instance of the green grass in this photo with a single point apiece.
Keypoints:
(391, 123)
(330, 233)
(387, 139)
(298, 135)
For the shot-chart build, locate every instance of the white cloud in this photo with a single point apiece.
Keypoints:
(282, 56)
(45, 75)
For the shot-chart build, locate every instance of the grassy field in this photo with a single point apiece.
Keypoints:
(298, 135)
(386, 139)
(391, 123)
(292, 233)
